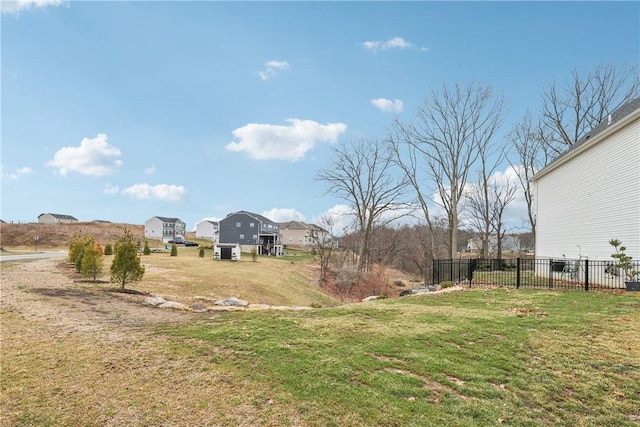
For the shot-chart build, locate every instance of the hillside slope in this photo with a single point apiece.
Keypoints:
(58, 235)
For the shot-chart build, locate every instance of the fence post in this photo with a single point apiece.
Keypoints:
(433, 272)
(586, 274)
(451, 269)
(518, 273)
(550, 273)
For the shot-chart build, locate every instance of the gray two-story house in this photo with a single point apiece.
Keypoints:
(251, 231)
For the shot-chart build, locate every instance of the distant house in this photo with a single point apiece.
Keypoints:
(510, 243)
(591, 193)
(164, 229)
(298, 234)
(251, 231)
(51, 218)
(207, 229)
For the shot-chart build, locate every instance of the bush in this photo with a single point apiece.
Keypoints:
(201, 253)
(254, 254)
(447, 284)
(146, 249)
(174, 250)
(108, 249)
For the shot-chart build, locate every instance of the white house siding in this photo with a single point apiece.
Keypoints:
(153, 228)
(592, 198)
(207, 230)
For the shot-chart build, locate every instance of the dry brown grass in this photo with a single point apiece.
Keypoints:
(57, 235)
(269, 280)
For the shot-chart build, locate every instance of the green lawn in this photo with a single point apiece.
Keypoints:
(482, 357)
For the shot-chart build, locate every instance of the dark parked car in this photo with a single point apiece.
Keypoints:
(188, 243)
(177, 242)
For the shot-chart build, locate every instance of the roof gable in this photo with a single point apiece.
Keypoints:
(598, 133)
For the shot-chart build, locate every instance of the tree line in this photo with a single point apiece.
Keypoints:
(446, 159)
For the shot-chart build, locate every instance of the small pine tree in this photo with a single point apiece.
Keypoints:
(201, 253)
(174, 250)
(254, 254)
(77, 245)
(92, 263)
(126, 266)
(108, 249)
(146, 249)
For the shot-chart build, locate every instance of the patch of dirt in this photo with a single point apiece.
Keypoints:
(44, 291)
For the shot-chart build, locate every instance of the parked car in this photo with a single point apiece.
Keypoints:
(188, 243)
(177, 242)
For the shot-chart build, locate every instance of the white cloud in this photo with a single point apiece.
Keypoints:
(283, 215)
(17, 6)
(14, 176)
(265, 141)
(388, 105)
(93, 157)
(272, 68)
(342, 216)
(110, 189)
(150, 170)
(394, 43)
(161, 192)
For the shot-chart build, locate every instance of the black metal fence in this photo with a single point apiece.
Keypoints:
(539, 273)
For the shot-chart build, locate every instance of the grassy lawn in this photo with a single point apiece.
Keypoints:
(289, 280)
(471, 358)
(478, 357)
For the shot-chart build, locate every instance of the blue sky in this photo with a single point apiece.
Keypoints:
(122, 111)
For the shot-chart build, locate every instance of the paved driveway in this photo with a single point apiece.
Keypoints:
(34, 255)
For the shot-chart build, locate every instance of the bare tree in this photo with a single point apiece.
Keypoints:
(527, 159)
(324, 242)
(362, 175)
(479, 195)
(502, 194)
(570, 110)
(453, 123)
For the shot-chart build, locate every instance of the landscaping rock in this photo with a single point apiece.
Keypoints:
(154, 301)
(174, 304)
(371, 298)
(232, 301)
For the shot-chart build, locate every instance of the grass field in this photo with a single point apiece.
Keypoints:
(470, 358)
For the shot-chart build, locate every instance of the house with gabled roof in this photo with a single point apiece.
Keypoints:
(591, 193)
(251, 231)
(51, 218)
(300, 235)
(165, 229)
(207, 229)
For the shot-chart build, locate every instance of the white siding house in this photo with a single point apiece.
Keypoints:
(164, 229)
(591, 193)
(208, 229)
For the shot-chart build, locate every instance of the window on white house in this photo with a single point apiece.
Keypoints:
(242, 236)
(252, 225)
(238, 225)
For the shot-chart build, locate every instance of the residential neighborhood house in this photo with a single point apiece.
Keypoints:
(251, 231)
(51, 218)
(300, 235)
(591, 193)
(164, 229)
(510, 243)
(207, 229)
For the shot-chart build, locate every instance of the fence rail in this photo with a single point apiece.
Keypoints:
(539, 273)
